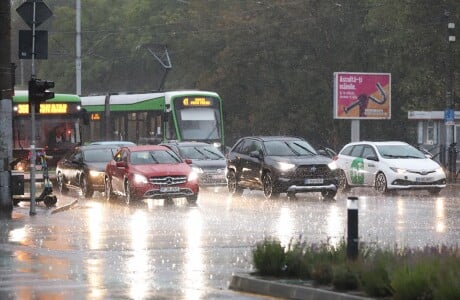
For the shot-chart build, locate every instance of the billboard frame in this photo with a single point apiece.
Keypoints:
(362, 96)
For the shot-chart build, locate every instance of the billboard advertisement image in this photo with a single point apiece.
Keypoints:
(362, 95)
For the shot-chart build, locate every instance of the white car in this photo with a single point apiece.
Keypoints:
(388, 166)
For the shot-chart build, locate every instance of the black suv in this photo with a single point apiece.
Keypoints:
(277, 164)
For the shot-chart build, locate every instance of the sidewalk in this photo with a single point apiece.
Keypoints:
(289, 289)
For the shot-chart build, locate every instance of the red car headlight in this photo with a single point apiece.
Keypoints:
(140, 179)
(192, 176)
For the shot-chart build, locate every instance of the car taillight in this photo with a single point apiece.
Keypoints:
(335, 157)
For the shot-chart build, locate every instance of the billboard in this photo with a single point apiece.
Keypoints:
(362, 95)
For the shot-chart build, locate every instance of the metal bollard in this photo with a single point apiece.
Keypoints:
(352, 228)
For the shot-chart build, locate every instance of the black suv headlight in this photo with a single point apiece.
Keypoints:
(285, 167)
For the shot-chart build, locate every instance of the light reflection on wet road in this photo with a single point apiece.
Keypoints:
(100, 250)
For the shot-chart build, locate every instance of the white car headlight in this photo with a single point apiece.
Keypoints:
(398, 170)
(285, 166)
(192, 176)
(440, 170)
(138, 178)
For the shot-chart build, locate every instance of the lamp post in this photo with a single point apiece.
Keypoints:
(450, 104)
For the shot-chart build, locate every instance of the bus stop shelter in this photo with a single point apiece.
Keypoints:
(432, 133)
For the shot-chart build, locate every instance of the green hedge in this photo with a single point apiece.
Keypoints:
(430, 272)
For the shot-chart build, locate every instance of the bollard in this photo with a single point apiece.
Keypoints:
(352, 228)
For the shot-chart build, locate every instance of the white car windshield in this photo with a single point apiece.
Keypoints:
(399, 151)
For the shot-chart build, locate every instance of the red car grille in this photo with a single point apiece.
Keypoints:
(168, 180)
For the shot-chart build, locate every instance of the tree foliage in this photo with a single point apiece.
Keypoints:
(271, 61)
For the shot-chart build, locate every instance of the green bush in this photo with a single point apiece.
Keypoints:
(297, 264)
(447, 287)
(413, 282)
(269, 257)
(428, 273)
(321, 273)
(344, 277)
(373, 273)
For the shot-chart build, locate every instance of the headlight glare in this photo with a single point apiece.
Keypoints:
(285, 166)
(138, 178)
(332, 165)
(94, 173)
(192, 176)
(398, 170)
(197, 170)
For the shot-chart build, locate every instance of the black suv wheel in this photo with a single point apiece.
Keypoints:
(270, 191)
(232, 184)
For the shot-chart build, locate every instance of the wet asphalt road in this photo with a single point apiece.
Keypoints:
(158, 250)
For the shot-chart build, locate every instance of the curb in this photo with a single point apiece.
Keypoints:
(64, 207)
(249, 284)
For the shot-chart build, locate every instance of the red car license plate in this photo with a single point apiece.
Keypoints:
(169, 189)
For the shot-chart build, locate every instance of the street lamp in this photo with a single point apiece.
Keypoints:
(450, 103)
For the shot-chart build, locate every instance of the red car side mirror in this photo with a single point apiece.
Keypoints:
(121, 164)
(188, 161)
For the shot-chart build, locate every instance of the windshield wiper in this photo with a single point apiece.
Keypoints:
(292, 149)
(409, 156)
(154, 159)
(306, 149)
(213, 153)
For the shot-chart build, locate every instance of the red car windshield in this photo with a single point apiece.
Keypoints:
(154, 157)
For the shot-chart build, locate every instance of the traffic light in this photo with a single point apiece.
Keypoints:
(38, 92)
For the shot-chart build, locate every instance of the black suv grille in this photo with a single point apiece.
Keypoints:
(168, 180)
(313, 171)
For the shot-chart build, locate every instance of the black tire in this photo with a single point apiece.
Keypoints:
(343, 182)
(192, 199)
(328, 194)
(270, 191)
(50, 200)
(381, 184)
(61, 184)
(86, 190)
(108, 189)
(291, 195)
(434, 191)
(232, 184)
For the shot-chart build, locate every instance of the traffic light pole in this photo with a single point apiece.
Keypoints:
(33, 156)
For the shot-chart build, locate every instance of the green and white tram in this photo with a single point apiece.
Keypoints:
(143, 118)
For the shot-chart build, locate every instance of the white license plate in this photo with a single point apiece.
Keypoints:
(424, 179)
(314, 181)
(221, 176)
(169, 189)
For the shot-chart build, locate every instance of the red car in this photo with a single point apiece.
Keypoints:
(150, 172)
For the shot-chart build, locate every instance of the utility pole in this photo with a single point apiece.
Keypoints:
(450, 103)
(6, 95)
(78, 46)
